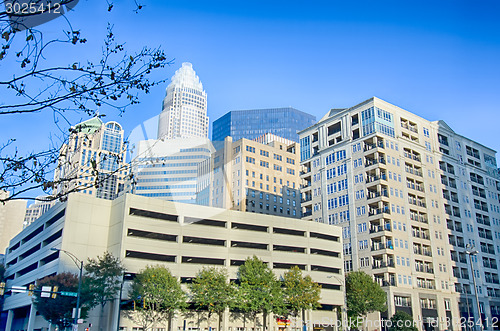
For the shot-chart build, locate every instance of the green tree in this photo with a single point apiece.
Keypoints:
(402, 321)
(157, 295)
(104, 277)
(211, 290)
(260, 291)
(363, 295)
(301, 293)
(58, 311)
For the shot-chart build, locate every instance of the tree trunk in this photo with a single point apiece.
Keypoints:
(264, 320)
(101, 313)
(255, 322)
(303, 320)
(220, 322)
(169, 324)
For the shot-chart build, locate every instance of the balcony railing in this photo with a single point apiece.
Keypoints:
(376, 194)
(380, 228)
(379, 265)
(412, 156)
(370, 179)
(369, 146)
(414, 171)
(416, 202)
(382, 245)
(373, 211)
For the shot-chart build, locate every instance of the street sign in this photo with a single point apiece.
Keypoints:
(68, 294)
(46, 291)
(18, 289)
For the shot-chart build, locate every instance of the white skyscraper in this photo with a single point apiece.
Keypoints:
(184, 112)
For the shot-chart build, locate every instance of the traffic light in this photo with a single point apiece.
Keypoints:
(144, 303)
(31, 288)
(134, 304)
(54, 292)
(2, 288)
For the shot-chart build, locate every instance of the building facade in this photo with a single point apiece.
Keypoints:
(11, 219)
(93, 160)
(255, 176)
(251, 124)
(41, 205)
(167, 169)
(184, 113)
(409, 194)
(144, 231)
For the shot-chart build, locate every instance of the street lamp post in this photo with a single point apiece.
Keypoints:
(125, 274)
(344, 310)
(470, 250)
(79, 265)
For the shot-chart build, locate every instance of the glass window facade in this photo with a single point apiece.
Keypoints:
(251, 124)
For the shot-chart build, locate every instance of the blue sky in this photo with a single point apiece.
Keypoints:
(439, 59)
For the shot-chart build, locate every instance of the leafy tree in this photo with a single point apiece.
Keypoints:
(260, 291)
(31, 82)
(363, 295)
(58, 311)
(402, 321)
(301, 293)
(104, 277)
(158, 295)
(211, 290)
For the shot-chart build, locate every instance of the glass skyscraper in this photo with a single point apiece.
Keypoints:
(250, 124)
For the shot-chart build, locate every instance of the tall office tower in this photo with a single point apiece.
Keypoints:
(255, 176)
(409, 195)
(11, 219)
(251, 124)
(184, 112)
(41, 205)
(93, 160)
(167, 169)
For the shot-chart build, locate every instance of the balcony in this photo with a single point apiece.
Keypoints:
(419, 218)
(376, 194)
(421, 235)
(370, 179)
(416, 202)
(369, 146)
(414, 171)
(306, 198)
(424, 268)
(381, 264)
(307, 213)
(382, 245)
(414, 157)
(378, 211)
(380, 228)
(415, 186)
(370, 162)
(409, 127)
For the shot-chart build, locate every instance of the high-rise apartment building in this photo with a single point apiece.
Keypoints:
(93, 160)
(255, 176)
(184, 112)
(409, 194)
(251, 124)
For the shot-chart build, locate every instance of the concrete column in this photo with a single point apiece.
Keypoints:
(31, 318)
(10, 317)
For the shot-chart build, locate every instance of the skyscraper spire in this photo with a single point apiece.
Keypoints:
(184, 112)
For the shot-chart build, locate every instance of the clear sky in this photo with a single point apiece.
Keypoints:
(438, 59)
